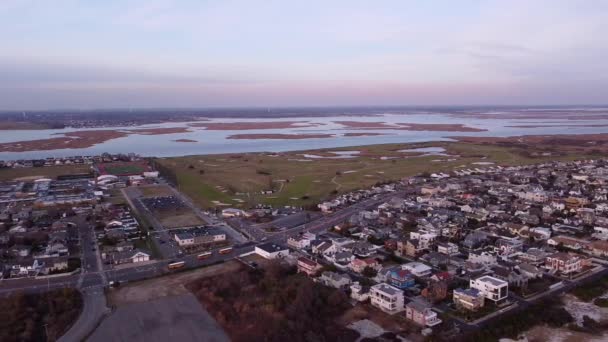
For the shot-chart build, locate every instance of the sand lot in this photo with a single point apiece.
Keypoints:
(177, 318)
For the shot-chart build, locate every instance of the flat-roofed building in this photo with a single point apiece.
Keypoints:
(387, 298)
(492, 288)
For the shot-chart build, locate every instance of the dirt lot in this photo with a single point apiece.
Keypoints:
(544, 333)
(177, 220)
(395, 323)
(171, 285)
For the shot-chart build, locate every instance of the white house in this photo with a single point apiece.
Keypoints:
(448, 248)
(387, 298)
(484, 257)
(492, 288)
(271, 251)
(359, 292)
(418, 269)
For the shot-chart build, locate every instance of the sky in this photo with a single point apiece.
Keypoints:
(93, 54)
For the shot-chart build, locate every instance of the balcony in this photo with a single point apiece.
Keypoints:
(431, 319)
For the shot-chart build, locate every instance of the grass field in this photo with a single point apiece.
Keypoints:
(156, 190)
(42, 172)
(226, 178)
(122, 168)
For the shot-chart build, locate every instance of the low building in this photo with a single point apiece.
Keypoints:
(492, 288)
(436, 290)
(301, 242)
(359, 292)
(598, 248)
(127, 257)
(469, 299)
(199, 237)
(335, 280)
(358, 265)
(400, 278)
(387, 298)
(420, 313)
(418, 269)
(271, 250)
(447, 248)
(308, 266)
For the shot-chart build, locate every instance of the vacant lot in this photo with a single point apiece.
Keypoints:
(170, 285)
(176, 219)
(306, 177)
(42, 172)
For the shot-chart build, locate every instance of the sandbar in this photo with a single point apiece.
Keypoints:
(242, 126)
(362, 134)
(185, 140)
(279, 136)
(404, 126)
(78, 139)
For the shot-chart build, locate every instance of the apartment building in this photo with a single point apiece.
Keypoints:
(492, 288)
(387, 298)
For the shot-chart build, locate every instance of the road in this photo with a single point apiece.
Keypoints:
(159, 234)
(93, 311)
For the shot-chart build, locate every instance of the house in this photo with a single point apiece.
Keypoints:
(475, 240)
(509, 247)
(19, 251)
(436, 290)
(335, 280)
(469, 299)
(436, 259)
(530, 271)
(418, 269)
(400, 278)
(420, 313)
(533, 256)
(387, 298)
(308, 266)
(409, 247)
(132, 256)
(447, 248)
(598, 248)
(271, 250)
(564, 263)
(358, 265)
(359, 292)
(511, 275)
(485, 258)
(301, 242)
(492, 288)
(54, 264)
(567, 242)
(320, 247)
